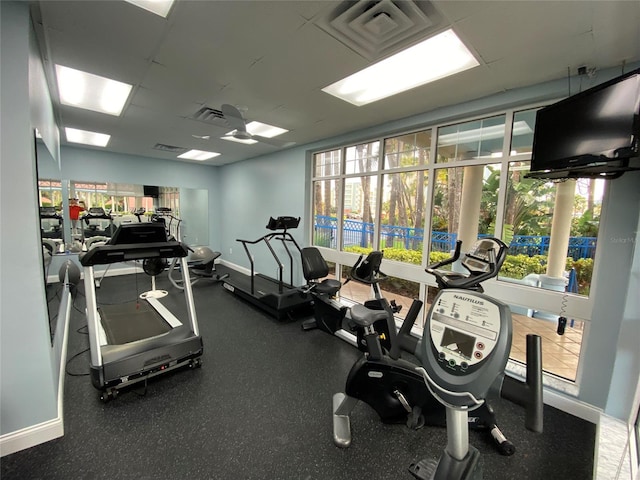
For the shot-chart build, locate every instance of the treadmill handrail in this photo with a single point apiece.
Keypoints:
(284, 237)
(107, 254)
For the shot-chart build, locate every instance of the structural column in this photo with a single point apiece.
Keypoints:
(470, 205)
(561, 228)
(559, 242)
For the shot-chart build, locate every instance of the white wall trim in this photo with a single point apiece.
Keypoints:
(51, 429)
(233, 266)
(572, 406)
(31, 436)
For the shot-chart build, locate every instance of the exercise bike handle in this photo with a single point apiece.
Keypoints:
(447, 279)
(447, 261)
(355, 265)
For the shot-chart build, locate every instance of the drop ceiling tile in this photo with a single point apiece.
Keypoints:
(106, 26)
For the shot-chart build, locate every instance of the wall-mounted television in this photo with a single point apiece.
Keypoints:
(150, 191)
(593, 134)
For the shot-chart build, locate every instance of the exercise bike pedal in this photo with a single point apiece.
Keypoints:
(505, 447)
(415, 420)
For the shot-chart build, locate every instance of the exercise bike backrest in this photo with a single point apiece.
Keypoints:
(368, 271)
(482, 262)
(315, 270)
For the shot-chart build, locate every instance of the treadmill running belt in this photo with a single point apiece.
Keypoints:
(131, 321)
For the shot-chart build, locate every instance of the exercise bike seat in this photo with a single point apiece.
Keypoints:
(364, 317)
(328, 287)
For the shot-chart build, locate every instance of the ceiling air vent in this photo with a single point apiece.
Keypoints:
(169, 148)
(211, 116)
(376, 29)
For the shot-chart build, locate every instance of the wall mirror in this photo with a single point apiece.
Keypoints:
(92, 208)
(51, 230)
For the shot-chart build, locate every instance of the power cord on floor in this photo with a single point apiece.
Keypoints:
(56, 294)
(66, 367)
(144, 392)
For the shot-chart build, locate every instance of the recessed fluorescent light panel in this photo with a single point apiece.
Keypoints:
(92, 92)
(264, 130)
(256, 128)
(87, 138)
(159, 7)
(430, 60)
(198, 155)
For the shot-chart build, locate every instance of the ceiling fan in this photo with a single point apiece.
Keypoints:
(236, 121)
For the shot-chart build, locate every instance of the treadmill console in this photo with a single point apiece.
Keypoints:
(49, 212)
(137, 233)
(283, 223)
(466, 343)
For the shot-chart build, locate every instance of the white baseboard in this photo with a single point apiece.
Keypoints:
(233, 266)
(572, 406)
(51, 429)
(31, 436)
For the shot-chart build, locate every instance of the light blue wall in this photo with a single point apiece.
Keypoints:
(253, 191)
(100, 166)
(194, 216)
(612, 379)
(27, 384)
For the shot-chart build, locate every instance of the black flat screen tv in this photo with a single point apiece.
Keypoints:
(150, 191)
(595, 133)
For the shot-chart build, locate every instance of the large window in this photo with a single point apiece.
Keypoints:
(529, 211)
(360, 196)
(408, 150)
(393, 194)
(476, 139)
(402, 212)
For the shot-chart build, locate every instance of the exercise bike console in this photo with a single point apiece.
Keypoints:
(469, 337)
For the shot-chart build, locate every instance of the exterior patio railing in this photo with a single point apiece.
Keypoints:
(359, 233)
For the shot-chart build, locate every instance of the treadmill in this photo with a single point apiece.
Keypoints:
(52, 227)
(275, 296)
(94, 222)
(134, 341)
(51, 230)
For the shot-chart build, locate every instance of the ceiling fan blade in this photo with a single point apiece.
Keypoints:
(273, 141)
(233, 117)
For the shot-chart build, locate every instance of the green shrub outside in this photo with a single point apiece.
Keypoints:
(514, 266)
(584, 272)
(322, 241)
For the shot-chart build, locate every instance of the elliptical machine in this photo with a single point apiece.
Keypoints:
(202, 266)
(393, 386)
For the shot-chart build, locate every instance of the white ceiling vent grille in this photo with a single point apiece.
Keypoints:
(211, 116)
(375, 29)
